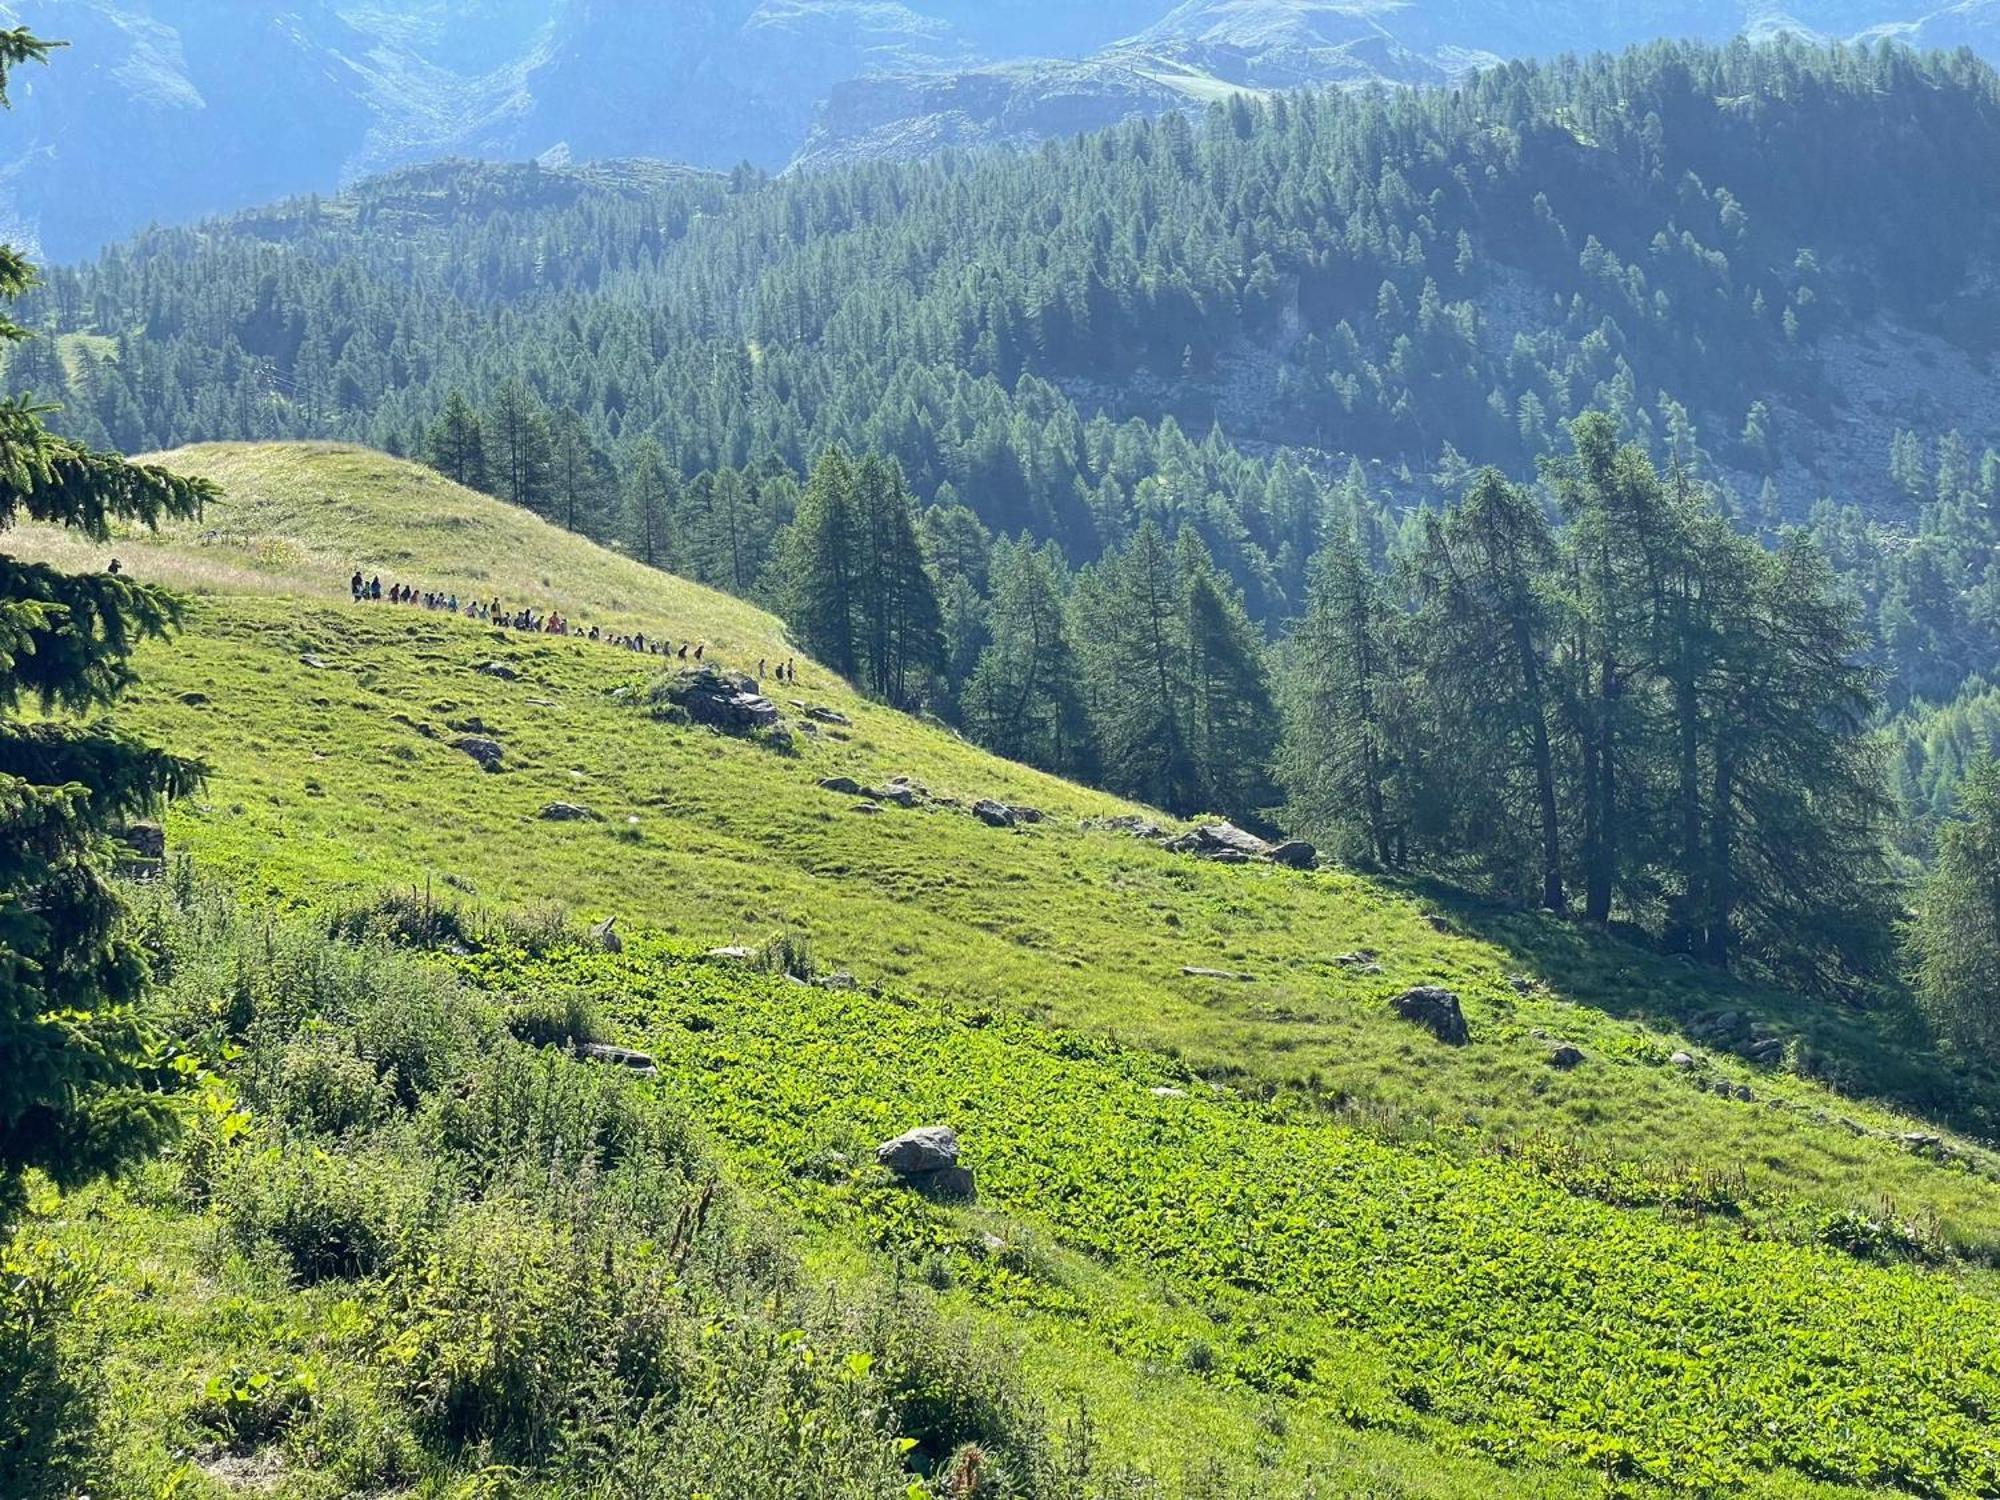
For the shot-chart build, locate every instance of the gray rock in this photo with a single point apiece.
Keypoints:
(722, 700)
(840, 979)
(1167, 1091)
(866, 807)
(1682, 1059)
(1193, 972)
(928, 1148)
(993, 814)
(844, 786)
(1294, 854)
(1219, 841)
(488, 753)
(621, 1057)
(822, 715)
(1137, 827)
(193, 700)
(732, 955)
(317, 663)
(498, 669)
(1028, 815)
(605, 935)
(568, 812)
(1436, 1009)
(902, 796)
(144, 840)
(1566, 1057)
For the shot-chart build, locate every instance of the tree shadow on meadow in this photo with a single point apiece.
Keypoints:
(1883, 1052)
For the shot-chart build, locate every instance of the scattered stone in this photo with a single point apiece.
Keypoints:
(723, 700)
(840, 979)
(1521, 984)
(1682, 1059)
(1360, 958)
(1438, 921)
(993, 814)
(1029, 815)
(1167, 1091)
(1220, 841)
(732, 955)
(1743, 1093)
(144, 840)
(1768, 1051)
(1137, 827)
(1437, 1009)
(415, 726)
(902, 796)
(605, 935)
(498, 669)
(1295, 854)
(866, 807)
(1192, 972)
(317, 663)
(820, 714)
(927, 1160)
(1917, 1140)
(845, 786)
(568, 812)
(488, 753)
(194, 700)
(1566, 1057)
(622, 1057)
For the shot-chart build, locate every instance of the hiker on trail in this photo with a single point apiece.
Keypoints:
(684, 650)
(116, 567)
(760, 666)
(791, 670)
(375, 588)
(698, 650)
(357, 586)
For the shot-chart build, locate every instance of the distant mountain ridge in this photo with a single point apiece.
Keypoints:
(170, 110)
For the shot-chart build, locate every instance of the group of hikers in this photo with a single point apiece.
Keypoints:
(550, 622)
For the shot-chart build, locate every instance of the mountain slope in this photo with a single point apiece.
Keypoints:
(1368, 1233)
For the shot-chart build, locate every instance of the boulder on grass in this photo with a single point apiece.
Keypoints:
(619, 1057)
(722, 700)
(841, 786)
(498, 669)
(568, 812)
(487, 752)
(1295, 854)
(993, 814)
(605, 935)
(927, 1159)
(1224, 842)
(1566, 1057)
(1437, 1010)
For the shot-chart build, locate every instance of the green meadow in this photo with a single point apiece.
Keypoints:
(1245, 1234)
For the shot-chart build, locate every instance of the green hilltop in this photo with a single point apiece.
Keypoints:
(1240, 1226)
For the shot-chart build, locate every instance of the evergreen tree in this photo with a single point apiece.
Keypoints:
(518, 449)
(651, 496)
(1129, 619)
(823, 551)
(1335, 760)
(578, 475)
(1024, 699)
(79, 1089)
(1953, 942)
(1232, 720)
(456, 445)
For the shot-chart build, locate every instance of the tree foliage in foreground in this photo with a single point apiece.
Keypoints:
(1954, 941)
(76, 1059)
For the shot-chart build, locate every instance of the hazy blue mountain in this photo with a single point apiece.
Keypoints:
(168, 110)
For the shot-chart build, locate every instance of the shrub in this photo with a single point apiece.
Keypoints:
(568, 1019)
(324, 1087)
(327, 1216)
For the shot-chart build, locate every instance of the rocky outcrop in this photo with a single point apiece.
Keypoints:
(1294, 854)
(488, 753)
(722, 700)
(1224, 843)
(1437, 1010)
(927, 1159)
(993, 814)
(605, 935)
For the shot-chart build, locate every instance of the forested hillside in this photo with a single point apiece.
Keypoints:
(1301, 317)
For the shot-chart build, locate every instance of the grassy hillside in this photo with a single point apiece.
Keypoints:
(1368, 1261)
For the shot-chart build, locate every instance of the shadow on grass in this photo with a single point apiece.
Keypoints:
(1883, 1053)
(46, 1416)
